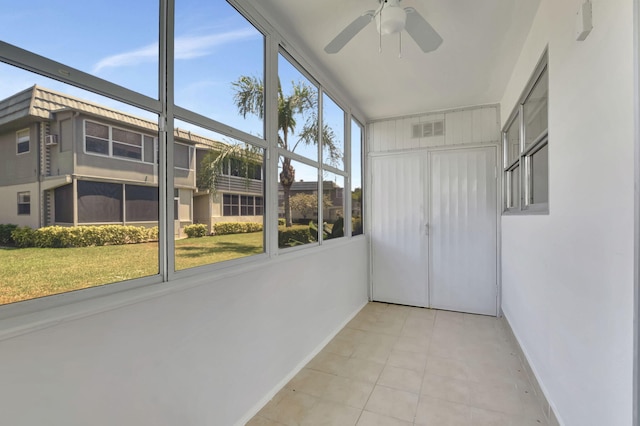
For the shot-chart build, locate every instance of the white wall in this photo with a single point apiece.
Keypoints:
(473, 125)
(567, 277)
(205, 354)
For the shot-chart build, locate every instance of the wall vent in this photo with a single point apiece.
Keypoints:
(428, 129)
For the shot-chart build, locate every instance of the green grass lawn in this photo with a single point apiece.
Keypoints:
(35, 272)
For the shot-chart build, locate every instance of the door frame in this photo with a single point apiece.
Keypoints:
(499, 196)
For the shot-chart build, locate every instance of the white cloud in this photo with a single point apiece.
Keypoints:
(186, 47)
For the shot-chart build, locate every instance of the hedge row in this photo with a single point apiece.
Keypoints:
(294, 235)
(5, 234)
(225, 228)
(195, 230)
(82, 236)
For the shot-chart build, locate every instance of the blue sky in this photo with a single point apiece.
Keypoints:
(214, 45)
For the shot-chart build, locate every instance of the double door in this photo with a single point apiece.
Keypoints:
(434, 229)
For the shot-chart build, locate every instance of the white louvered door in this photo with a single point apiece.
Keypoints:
(399, 241)
(433, 229)
(463, 230)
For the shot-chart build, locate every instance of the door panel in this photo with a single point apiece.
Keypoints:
(398, 239)
(462, 228)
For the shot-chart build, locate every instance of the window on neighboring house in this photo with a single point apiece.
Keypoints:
(182, 156)
(231, 205)
(127, 144)
(22, 141)
(24, 203)
(107, 140)
(526, 148)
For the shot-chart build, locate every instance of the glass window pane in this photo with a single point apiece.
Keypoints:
(219, 64)
(513, 141)
(89, 36)
(332, 206)
(298, 111)
(332, 133)
(535, 110)
(81, 189)
(540, 175)
(514, 176)
(297, 203)
(222, 204)
(356, 178)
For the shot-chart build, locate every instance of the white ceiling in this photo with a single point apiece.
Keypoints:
(482, 41)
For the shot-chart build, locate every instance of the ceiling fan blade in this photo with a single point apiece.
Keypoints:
(421, 31)
(349, 32)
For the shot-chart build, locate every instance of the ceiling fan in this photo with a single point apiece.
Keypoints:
(390, 18)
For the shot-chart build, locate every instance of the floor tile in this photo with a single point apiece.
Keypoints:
(401, 379)
(373, 419)
(432, 412)
(393, 403)
(446, 388)
(400, 366)
(326, 413)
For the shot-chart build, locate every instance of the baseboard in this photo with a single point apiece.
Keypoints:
(281, 384)
(547, 407)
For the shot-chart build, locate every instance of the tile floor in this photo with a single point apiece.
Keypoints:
(397, 365)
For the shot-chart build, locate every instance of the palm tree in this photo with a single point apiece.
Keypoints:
(301, 102)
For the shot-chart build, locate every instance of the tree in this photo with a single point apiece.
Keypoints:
(214, 161)
(301, 102)
(307, 204)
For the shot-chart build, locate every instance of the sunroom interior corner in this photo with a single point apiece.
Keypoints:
(208, 334)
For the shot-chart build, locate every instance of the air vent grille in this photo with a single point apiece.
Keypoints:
(428, 129)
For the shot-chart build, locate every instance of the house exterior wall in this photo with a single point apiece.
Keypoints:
(567, 277)
(18, 168)
(9, 205)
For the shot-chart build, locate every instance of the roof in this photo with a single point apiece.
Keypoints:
(41, 103)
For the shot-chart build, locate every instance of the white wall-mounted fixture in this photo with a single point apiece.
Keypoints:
(584, 21)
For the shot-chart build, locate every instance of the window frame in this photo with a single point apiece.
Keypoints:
(167, 111)
(20, 140)
(23, 203)
(523, 159)
(110, 142)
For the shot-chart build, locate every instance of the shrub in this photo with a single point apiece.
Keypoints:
(196, 230)
(356, 225)
(82, 236)
(225, 228)
(23, 237)
(5, 234)
(282, 221)
(294, 235)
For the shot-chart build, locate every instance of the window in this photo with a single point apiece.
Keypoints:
(356, 178)
(231, 205)
(22, 140)
(526, 148)
(126, 142)
(24, 203)
(182, 156)
(102, 139)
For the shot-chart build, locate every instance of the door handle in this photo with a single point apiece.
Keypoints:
(426, 228)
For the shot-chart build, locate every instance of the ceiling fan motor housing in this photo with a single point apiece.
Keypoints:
(391, 19)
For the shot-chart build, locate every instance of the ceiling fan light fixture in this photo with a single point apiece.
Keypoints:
(391, 20)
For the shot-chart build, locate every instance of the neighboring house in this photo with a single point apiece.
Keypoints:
(67, 161)
(333, 192)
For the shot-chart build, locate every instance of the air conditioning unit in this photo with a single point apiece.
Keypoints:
(51, 140)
